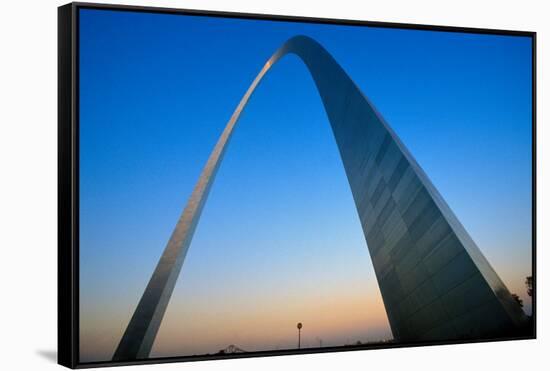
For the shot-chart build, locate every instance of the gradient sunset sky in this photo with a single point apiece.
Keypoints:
(279, 240)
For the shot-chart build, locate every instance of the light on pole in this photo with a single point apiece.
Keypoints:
(299, 330)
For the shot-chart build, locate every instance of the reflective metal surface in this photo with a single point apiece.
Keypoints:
(435, 282)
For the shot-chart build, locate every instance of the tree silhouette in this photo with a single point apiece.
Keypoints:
(529, 284)
(518, 300)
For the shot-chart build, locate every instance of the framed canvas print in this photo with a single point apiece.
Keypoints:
(239, 185)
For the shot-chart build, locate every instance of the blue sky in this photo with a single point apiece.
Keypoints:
(156, 91)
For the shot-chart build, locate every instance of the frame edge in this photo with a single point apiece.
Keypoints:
(66, 293)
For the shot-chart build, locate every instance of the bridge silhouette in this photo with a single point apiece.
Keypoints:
(435, 282)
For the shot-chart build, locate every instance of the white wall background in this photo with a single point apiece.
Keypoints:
(28, 182)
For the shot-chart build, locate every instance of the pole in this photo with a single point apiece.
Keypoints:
(299, 326)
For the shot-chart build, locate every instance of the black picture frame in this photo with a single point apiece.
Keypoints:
(68, 178)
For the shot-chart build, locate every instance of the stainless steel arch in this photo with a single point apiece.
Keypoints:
(435, 282)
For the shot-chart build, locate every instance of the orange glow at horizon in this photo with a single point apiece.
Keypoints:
(330, 318)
